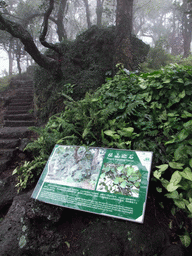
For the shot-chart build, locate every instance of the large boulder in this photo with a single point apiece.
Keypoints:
(85, 64)
(35, 228)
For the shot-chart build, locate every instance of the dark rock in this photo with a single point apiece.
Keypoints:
(18, 235)
(173, 250)
(36, 228)
(7, 191)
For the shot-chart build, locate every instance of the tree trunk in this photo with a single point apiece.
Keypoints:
(123, 46)
(10, 56)
(99, 12)
(186, 28)
(10, 61)
(60, 26)
(87, 13)
(16, 30)
(18, 55)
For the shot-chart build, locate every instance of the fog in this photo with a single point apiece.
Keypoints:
(153, 21)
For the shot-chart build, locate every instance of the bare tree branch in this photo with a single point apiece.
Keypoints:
(17, 30)
(42, 37)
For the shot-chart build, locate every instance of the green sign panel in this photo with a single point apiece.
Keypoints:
(111, 182)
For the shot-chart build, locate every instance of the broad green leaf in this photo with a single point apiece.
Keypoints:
(182, 94)
(137, 184)
(149, 98)
(188, 125)
(159, 190)
(170, 141)
(167, 81)
(123, 184)
(173, 195)
(116, 181)
(186, 114)
(185, 240)
(128, 130)
(132, 178)
(188, 82)
(109, 132)
(102, 175)
(190, 162)
(187, 174)
(120, 168)
(172, 114)
(162, 167)
(171, 187)
(179, 80)
(185, 184)
(183, 135)
(130, 171)
(179, 203)
(180, 152)
(85, 132)
(112, 134)
(175, 178)
(128, 142)
(164, 182)
(176, 165)
(186, 202)
(14, 171)
(157, 174)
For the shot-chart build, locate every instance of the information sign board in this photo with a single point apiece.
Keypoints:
(111, 182)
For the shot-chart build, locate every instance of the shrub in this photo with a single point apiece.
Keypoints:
(147, 111)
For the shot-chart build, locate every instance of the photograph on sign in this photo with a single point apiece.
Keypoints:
(111, 182)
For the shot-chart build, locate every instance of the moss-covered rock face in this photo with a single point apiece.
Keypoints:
(85, 63)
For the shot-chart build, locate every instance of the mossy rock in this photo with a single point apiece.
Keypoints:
(84, 63)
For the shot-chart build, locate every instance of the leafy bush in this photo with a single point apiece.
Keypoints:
(147, 111)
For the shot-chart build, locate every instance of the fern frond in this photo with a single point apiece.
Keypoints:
(131, 107)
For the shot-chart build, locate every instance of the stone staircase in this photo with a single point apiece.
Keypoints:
(18, 116)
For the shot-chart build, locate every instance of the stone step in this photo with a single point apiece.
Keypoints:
(20, 103)
(9, 143)
(29, 92)
(18, 117)
(26, 107)
(21, 123)
(23, 95)
(14, 132)
(15, 112)
(27, 87)
(6, 153)
(21, 100)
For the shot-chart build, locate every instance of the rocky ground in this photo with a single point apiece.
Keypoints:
(29, 227)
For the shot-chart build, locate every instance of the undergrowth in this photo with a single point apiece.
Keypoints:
(147, 111)
(4, 82)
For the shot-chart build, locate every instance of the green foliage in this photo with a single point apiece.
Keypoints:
(158, 57)
(147, 111)
(120, 179)
(29, 171)
(4, 83)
